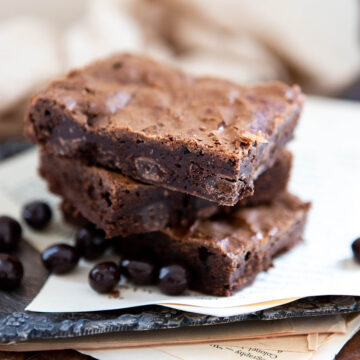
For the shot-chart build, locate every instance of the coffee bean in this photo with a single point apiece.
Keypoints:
(139, 271)
(37, 214)
(90, 243)
(173, 279)
(60, 258)
(10, 234)
(11, 272)
(104, 277)
(356, 249)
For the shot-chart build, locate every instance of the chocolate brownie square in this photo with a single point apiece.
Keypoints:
(225, 254)
(203, 136)
(121, 206)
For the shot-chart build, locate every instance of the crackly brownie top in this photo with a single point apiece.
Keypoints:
(235, 233)
(136, 93)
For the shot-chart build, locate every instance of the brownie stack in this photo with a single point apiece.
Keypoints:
(181, 169)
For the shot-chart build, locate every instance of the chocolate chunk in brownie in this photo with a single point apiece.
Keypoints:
(203, 136)
(225, 254)
(121, 206)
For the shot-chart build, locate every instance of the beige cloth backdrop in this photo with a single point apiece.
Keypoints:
(314, 43)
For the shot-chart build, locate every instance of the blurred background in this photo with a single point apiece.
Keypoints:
(313, 43)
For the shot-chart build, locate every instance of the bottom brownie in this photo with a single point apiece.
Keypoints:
(226, 253)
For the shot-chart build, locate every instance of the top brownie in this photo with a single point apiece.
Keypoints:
(200, 135)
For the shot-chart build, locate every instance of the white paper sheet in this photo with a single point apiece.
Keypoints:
(326, 171)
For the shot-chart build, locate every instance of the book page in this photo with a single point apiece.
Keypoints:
(281, 348)
(208, 351)
(326, 171)
(335, 342)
